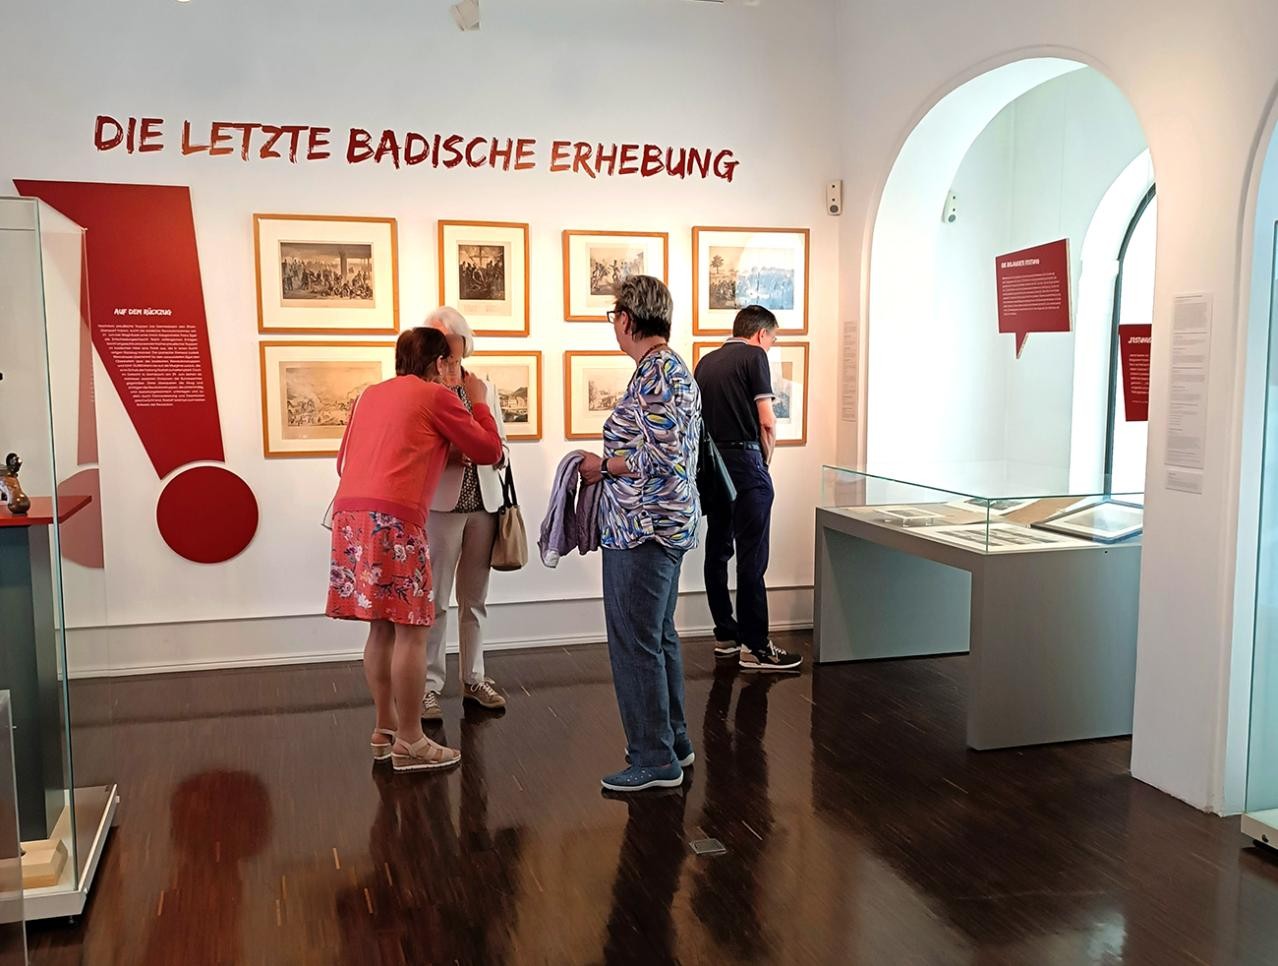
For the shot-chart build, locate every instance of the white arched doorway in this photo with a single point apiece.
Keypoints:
(1031, 150)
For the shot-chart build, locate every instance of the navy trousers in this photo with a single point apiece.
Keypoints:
(745, 532)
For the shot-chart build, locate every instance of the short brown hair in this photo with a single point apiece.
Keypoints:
(418, 350)
(649, 305)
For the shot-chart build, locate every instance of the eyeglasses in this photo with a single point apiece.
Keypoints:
(612, 316)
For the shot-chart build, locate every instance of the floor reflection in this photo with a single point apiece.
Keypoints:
(859, 830)
(640, 926)
(217, 820)
(437, 891)
(737, 812)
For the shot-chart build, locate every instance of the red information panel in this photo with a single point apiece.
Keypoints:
(146, 305)
(1134, 342)
(148, 311)
(1033, 291)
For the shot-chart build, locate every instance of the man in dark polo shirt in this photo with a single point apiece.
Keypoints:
(736, 403)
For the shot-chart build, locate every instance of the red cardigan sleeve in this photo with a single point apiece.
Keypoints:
(475, 436)
(346, 435)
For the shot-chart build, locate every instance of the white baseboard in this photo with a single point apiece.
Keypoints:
(261, 642)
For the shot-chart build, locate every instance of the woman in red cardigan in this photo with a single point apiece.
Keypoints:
(392, 455)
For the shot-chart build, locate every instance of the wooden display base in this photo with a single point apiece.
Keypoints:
(44, 861)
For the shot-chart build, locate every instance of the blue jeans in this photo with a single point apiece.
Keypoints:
(641, 588)
(746, 531)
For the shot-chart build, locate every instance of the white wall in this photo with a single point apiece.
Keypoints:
(665, 72)
(1035, 173)
(1200, 78)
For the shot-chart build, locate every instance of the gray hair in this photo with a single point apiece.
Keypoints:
(448, 319)
(649, 304)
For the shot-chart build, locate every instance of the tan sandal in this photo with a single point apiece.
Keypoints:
(382, 750)
(424, 755)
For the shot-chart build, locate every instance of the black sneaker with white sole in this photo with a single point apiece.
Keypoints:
(771, 658)
(726, 649)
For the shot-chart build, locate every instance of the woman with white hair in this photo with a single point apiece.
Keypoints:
(461, 529)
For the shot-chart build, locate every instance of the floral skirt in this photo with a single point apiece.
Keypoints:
(380, 570)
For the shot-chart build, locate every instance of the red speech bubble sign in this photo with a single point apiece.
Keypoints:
(1033, 291)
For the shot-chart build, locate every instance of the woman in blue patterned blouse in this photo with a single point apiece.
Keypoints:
(648, 519)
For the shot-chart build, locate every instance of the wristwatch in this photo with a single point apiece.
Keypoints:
(603, 467)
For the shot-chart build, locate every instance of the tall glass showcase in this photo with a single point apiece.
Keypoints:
(1261, 821)
(13, 933)
(52, 571)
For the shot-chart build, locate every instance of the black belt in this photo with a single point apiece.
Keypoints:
(750, 444)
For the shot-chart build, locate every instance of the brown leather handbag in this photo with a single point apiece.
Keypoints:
(510, 547)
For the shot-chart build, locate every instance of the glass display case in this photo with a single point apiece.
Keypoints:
(52, 574)
(1041, 590)
(1261, 820)
(13, 932)
(986, 523)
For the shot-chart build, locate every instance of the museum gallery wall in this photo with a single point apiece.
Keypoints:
(313, 301)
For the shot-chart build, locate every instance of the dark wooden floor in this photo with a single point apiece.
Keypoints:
(858, 829)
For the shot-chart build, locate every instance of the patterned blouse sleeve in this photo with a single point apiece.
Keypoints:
(661, 423)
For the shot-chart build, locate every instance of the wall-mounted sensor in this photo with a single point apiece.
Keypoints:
(834, 197)
(950, 214)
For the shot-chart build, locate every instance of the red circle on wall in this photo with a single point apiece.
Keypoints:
(207, 514)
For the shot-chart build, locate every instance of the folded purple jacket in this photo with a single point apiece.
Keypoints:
(572, 519)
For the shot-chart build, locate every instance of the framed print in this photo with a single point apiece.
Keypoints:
(594, 383)
(1109, 521)
(736, 267)
(310, 388)
(483, 273)
(789, 364)
(319, 274)
(595, 262)
(517, 378)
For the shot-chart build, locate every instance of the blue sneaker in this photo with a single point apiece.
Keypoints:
(683, 751)
(635, 779)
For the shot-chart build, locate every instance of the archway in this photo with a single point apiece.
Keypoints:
(1031, 150)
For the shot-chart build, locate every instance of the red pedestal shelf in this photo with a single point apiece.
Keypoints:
(41, 512)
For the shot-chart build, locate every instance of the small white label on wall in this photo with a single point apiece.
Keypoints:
(1184, 481)
(850, 373)
(1187, 393)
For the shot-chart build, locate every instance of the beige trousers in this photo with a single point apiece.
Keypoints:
(461, 547)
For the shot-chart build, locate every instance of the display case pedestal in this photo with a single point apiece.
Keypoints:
(29, 662)
(1262, 827)
(58, 839)
(1051, 634)
(95, 810)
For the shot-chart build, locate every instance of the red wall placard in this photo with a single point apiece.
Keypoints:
(1134, 344)
(1033, 291)
(146, 305)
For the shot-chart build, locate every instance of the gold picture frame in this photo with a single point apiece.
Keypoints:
(594, 380)
(326, 274)
(594, 261)
(521, 412)
(791, 396)
(309, 390)
(735, 267)
(484, 274)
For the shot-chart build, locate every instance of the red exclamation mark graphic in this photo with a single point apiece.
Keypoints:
(149, 327)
